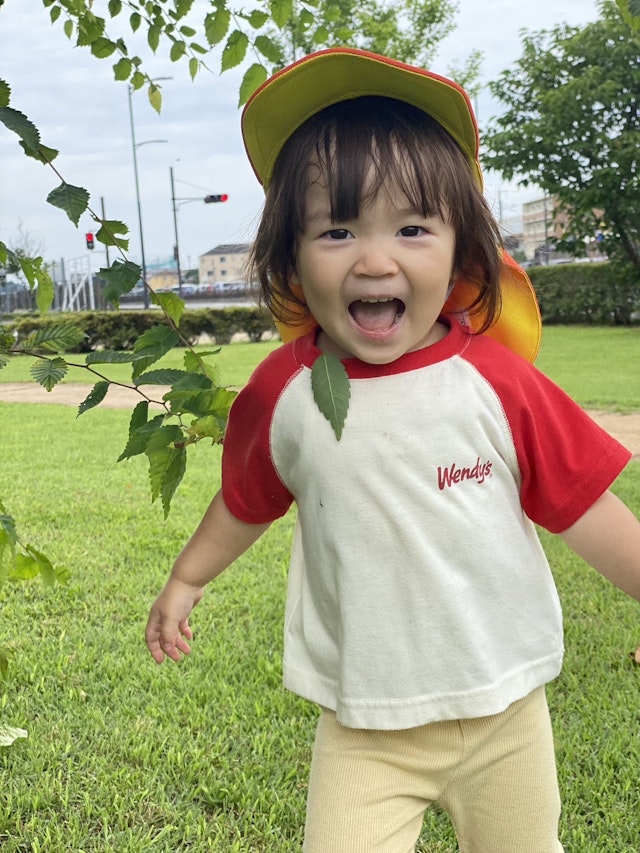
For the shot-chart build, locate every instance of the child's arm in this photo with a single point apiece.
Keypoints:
(219, 539)
(607, 536)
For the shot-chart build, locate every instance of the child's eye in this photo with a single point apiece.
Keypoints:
(412, 231)
(337, 234)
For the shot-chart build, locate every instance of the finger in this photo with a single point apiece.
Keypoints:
(185, 629)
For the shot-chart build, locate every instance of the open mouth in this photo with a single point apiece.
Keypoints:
(377, 315)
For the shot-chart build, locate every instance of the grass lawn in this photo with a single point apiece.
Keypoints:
(213, 754)
(596, 366)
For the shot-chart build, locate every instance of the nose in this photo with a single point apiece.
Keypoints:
(375, 260)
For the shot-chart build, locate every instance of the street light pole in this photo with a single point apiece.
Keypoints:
(134, 147)
(175, 228)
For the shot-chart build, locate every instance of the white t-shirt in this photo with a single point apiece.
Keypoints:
(418, 589)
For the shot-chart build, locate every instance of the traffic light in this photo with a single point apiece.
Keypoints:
(210, 199)
(89, 239)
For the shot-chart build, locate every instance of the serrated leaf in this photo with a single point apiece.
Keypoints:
(9, 734)
(5, 94)
(122, 68)
(8, 527)
(45, 567)
(55, 338)
(24, 567)
(253, 77)
(151, 346)
(20, 124)
(115, 7)
(257, 19)
(268, 48)
(171, 303)
(234, 50)
(197, 364)
(155, 97)
(166, 376)
(108, 356)
(108, 233)
(331, 390)
(138, 435)
(216, 25)
(153, 37)
(281, 11)
(207, 427)
(94, 397)
(37, 275)
(73, 200)
(49, 372)
(178, 50)
(173, 474)
(103, 47)
(121, 277)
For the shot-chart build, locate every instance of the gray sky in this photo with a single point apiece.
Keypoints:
(79, 109)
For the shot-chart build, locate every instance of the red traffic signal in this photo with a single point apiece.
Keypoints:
(210, 199)
(89, 239)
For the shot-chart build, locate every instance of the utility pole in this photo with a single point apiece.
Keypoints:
(176, 252)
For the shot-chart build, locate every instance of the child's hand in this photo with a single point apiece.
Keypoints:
(168, 624)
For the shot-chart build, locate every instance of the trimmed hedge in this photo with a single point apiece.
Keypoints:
(118, 330)
(598, 294)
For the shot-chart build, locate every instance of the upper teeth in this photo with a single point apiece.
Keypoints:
(383, 299)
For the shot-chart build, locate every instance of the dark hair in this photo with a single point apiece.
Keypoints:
(404, 145)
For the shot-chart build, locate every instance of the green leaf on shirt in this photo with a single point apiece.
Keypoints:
(331, 391)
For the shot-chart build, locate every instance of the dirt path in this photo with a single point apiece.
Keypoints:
(626, 428)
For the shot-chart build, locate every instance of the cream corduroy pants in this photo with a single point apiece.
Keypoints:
(495, 776)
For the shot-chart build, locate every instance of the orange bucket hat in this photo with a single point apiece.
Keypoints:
(285, 101)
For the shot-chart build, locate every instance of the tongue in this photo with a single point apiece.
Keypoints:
(375, 316)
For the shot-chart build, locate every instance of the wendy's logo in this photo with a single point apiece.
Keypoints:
(452, 475)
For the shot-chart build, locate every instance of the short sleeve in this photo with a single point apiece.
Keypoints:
(251, 487)
(566, 460)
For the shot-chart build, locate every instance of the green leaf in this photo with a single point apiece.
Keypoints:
(73, 200)
(115, 7)
(108, 356)
(281, 11)
(331, 391)
(49, 371)
(20, 124)
(94, 398)
(121, 277)
(55, 338)
(103, 47)
(172, 477)
(194, 65)
(108, 231)
(68, 28)
(197, 364)
(153, 37)
(171, 304)
(166, 376)
(5, 94)
(8, 526)
(257, 19)
(122, 68)
(154, 94)
(139, 435)
(178, 50)
(90, 27)
(37, 275)
(254, 76)
(216, 25)
(151, 346)
(234, 50)
(268, 48)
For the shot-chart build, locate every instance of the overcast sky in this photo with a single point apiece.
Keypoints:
(79, 109)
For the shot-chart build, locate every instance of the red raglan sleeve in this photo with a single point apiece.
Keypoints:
(566, 460)
(251, 487)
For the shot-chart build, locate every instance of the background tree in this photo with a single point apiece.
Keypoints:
(572, 127)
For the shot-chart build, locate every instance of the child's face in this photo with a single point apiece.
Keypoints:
(376, 284)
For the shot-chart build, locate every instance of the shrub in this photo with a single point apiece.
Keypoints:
(599, 294)
(118, 330)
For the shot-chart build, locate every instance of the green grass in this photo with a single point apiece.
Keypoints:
(234, 361)
(598, 367)
(213, 754)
